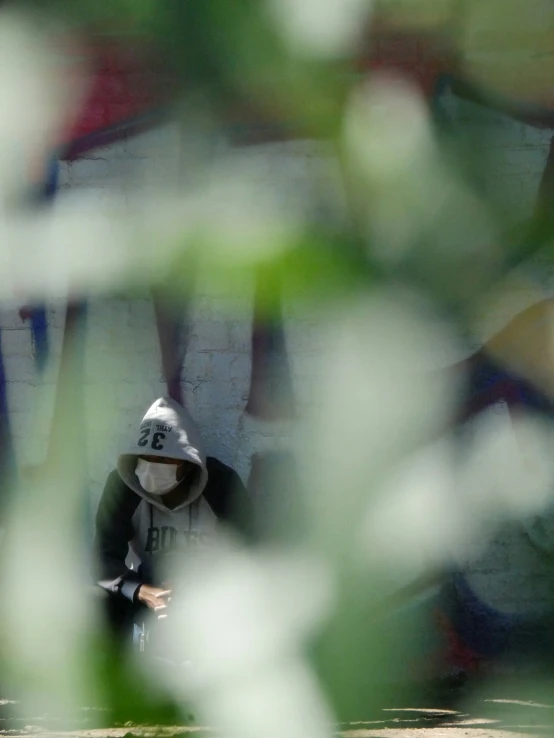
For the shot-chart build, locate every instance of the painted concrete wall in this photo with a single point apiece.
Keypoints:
(511, 572)
(122, 354)
(122, 350)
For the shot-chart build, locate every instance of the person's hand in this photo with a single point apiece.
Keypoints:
(154, 598)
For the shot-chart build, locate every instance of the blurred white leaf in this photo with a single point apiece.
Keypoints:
(444, 501)
(38, 98)
(379, 397)
(92, 247)
(244, 610)
(241, 618)
(284, 700)
(408, 191)
(416, 522)
(508, 471)
(321, 28)
(47, 611)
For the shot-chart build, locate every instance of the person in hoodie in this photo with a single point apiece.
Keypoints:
(164, 496)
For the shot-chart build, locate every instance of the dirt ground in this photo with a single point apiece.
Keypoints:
(498, 718)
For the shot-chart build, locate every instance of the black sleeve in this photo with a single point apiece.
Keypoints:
(114, 530)
(229, 499)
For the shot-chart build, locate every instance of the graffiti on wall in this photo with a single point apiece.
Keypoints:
(35, 316)
(480, 631)
(69, 398)
(477, 633)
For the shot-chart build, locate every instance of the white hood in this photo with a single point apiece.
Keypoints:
(166, 430)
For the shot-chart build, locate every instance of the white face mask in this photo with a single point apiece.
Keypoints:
(156, 478)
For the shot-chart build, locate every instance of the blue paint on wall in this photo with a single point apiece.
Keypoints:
(39, 333)
(36, 314)
(37, 317)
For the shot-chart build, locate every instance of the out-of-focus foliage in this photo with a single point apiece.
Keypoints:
(402, 261)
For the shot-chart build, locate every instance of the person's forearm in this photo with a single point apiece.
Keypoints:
(116, 578)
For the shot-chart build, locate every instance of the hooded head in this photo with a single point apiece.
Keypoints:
(168, 433)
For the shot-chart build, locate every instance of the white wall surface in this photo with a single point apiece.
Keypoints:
(123, 364)
(123, 359)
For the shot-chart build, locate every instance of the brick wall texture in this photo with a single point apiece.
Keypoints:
(123, 360)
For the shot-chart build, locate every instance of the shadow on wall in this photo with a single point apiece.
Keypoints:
(275, 483)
